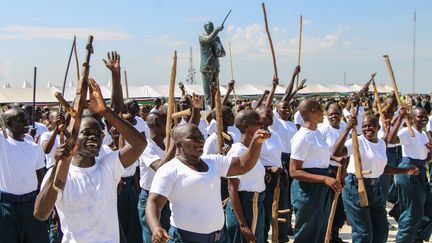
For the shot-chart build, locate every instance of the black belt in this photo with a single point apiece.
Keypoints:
(198, 237)
(367, 181)
(8, 197)
(317, 171)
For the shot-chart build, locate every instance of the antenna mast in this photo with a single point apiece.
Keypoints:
(191, 71)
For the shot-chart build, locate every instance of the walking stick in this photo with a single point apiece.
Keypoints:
(171, 101)
(275, 213)
(232, 73)
(67, 69)
(299, 47)
(79, 105)
(333, 207)
(392, 77)
(34, 97)
(126, 85)
(219, 120)
(270, 41)
(378, 104)
(254, 212)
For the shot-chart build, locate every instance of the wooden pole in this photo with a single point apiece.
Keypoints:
(232, 72)
(270, 41)
(378, 104)
(392, 77)
(34, 97)
(126, 85)
(219, 120)
(171, 101)
(255, 212)
(275, 211)
(333, 207)
(358, 166)
(299, 47)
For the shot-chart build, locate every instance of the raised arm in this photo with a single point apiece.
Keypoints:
(269, 100)
(59, 124)
(339, 149)
(113, 64)
(196, 102)
(392, 136)
(261, 99)
(205, 39)
(230, 88)
(136, 140)
(244, 163)
(290, 86)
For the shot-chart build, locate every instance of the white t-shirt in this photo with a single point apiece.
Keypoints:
(413, 147)
(381, 134)
(202, 126)
(211, 144)
(310, 147)
(252, 181)
(151, 154)
(285, 130)
(40, 129)
(347, 114)
(298, 119)
(87, 207)
(50, 160)
(142, 126)
(18, 165)
(195, 198)
(211, 128)
(331, 135)
(429, 125)
(373, 156)
(271, 151)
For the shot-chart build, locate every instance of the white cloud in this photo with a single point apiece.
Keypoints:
(251, 41)
(42, 32)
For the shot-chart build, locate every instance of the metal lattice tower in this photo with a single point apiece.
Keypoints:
(191, 71)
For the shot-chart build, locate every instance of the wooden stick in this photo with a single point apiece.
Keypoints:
(171, 101)
(126, 85)
(254, 213)
(378, 104)
(299, 47)
(219, 120)
(182, 113)
(77, 62)
(67, 68)
(392, 77)
(275, 213)
(358, 166)
(333, 207)
(270, 40)
(34, 97)
(232, 73)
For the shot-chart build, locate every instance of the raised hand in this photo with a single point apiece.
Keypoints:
(97, 103)
(231, 85)
(296, 71)
(352, 121)
(113, 62)
(301, 85)
(275, 81)
(261, 135)
(266, 92)
(196, 100)
(64, 152)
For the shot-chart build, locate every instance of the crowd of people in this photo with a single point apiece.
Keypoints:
(280, 156)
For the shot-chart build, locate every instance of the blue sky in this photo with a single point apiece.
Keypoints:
(338, 36)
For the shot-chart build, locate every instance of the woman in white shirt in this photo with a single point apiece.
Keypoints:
(414, 192)
(310, 190)
(191, 182)
(369, 224)
(239, 209)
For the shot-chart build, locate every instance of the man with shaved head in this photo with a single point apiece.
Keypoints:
(91, 188)
(191, 182)
(21, 172)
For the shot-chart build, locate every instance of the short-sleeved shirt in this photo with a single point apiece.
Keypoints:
(331, 135)
(50, 160)
(310, 147)
(18, 165)
(212, 127)
(211, 144)
(413, 147)
(202, 126)
(373, 156)
(252, 181)
(151, 154)
(429, 125)
(271, 151)
(298, 119)
(195, 198)
(87, 207)
(285, 130)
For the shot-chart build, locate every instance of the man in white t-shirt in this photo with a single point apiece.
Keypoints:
(39, 127)
(191, 182)
(150, 161)
(21, 172)
(87, 206)
(49, 143)
(134, 118)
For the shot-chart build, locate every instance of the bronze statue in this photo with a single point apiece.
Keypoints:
(211, 50)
